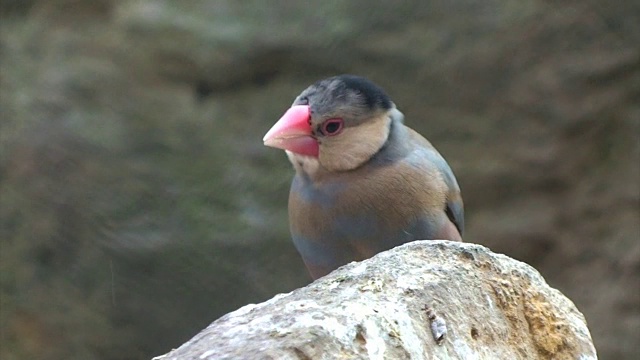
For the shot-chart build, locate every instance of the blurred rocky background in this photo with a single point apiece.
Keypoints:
(138, 203)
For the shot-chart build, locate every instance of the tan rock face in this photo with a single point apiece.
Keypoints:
(487, 306)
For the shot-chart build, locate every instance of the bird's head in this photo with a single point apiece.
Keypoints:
(338, 123)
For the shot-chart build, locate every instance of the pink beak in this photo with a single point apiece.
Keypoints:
(293, 132)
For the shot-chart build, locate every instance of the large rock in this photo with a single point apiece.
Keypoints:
(422, 300)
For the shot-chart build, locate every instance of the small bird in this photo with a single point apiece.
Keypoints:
(364, 181)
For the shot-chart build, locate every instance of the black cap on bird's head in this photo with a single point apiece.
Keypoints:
(351, 89)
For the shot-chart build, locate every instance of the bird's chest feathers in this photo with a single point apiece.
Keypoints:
(359, 205)
(331, 212)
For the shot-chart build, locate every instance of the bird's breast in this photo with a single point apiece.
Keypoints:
(355, 215)
(331, 211)
(373, 211)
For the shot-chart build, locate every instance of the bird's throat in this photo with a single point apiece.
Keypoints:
(304, 164)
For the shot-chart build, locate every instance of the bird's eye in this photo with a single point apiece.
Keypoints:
(332, 127)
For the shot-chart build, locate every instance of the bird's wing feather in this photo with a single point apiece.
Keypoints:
(427, 153)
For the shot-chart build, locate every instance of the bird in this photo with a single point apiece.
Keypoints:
(364, 181)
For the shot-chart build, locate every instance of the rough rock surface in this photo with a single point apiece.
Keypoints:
(492, 307)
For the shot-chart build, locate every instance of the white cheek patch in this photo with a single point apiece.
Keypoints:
(355, 145)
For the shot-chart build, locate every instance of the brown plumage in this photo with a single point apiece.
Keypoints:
(364, 181)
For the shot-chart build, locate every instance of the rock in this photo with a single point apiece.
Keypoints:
(422, 300)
